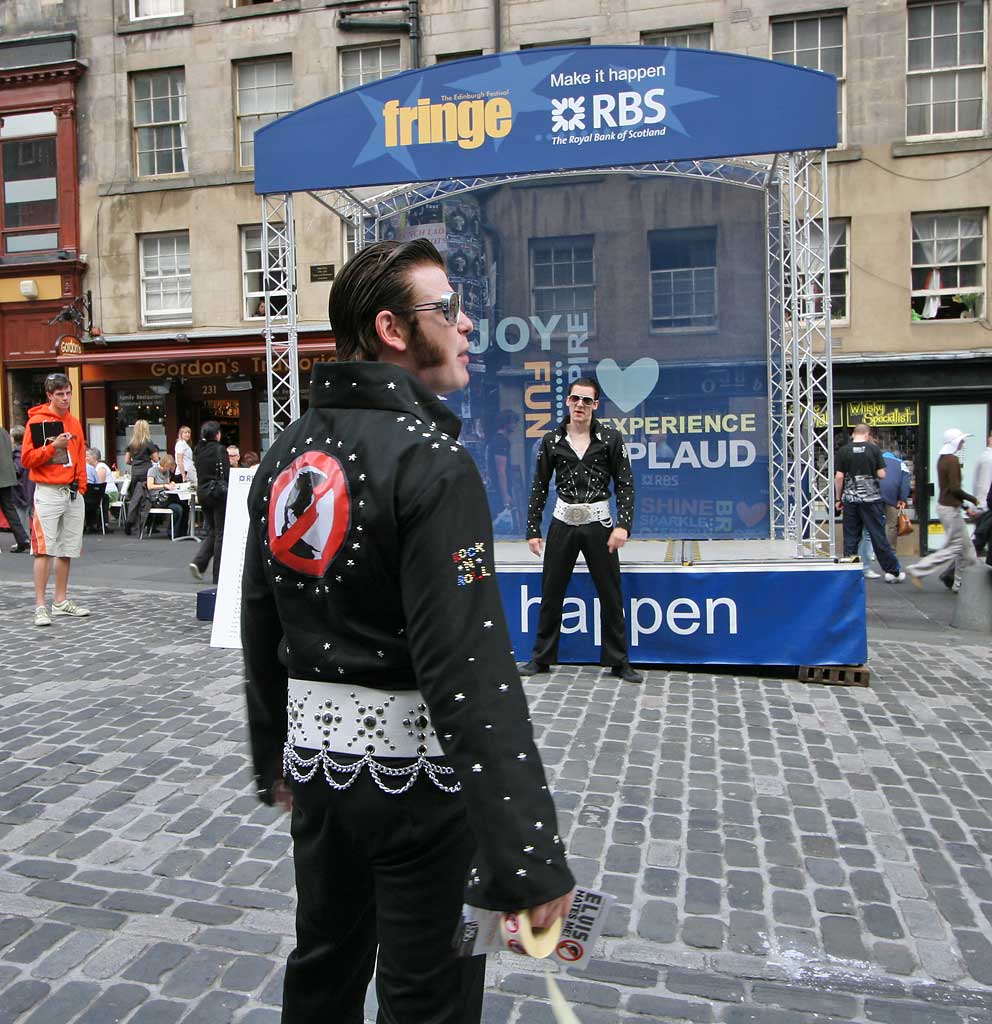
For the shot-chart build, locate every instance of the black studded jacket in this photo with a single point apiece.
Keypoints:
(585, 480)
(394, 587)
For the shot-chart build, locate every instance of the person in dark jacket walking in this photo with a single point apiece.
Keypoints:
(212, 470)
(24, 488)
(8, 484)
(370, 610)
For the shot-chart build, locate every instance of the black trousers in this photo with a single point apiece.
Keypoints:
(869, 515)
(380, 872)
(13, 517)
(213, 538)
(560, 553)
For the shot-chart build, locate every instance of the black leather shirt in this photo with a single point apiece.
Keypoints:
(393, 586)
(580, 481)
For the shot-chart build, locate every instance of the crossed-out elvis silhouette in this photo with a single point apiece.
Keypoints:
(299, 500)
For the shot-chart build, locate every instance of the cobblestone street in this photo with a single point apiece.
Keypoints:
(780, 853)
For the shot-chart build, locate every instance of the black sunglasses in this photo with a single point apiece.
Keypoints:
(581, 400)
(450, 305)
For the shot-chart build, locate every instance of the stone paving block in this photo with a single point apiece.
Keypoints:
(977, 952)
(20, 997)
(707, 986)
(88, 917)
(206, 913)
(665, 1008)
(247, 973)
(71, 953)
(160, 1011)
(65, 1003)
(12, 928)
(901, 1012)
(216, 1008)
(196, 974)
(67, 892)
(806, 1000)
(157, 960)
(114, 1004)
(114, 956)
(36, 942)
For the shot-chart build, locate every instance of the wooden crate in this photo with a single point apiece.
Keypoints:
(835, 675)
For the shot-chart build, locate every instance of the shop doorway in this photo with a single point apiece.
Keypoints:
(202, 400)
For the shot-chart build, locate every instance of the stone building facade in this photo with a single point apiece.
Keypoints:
(169, 221)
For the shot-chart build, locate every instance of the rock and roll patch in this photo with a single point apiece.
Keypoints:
(309, 513)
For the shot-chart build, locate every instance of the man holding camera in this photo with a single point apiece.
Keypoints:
(54, 453)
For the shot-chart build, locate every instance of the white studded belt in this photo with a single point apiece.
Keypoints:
(360, 719)
(579, 514)
(337, 719)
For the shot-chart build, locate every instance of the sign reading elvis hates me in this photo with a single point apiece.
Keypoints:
(582, 108)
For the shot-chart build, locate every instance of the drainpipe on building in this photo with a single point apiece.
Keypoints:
(497, 26)
(354, 22)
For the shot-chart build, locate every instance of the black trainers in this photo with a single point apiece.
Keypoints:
(532, 668)
(19, 548)
(626, 673)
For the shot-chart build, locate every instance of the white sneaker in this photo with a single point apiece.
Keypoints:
(892, 578)
(195, 571)
(956, 587)
(870, 574)
(41, 616)
(69, 607)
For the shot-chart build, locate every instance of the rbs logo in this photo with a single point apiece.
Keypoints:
(625, 110)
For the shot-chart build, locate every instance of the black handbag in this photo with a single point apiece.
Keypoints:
(212, 492)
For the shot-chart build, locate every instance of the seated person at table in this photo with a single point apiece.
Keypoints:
(98, 472)
(163, 493)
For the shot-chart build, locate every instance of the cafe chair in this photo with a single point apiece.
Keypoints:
(93, 502)
(120, 504)
(149, 522)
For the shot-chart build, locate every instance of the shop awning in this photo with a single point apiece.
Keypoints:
(184, 353)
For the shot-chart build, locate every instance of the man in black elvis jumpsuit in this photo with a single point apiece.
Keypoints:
(384, 704)
(584, 455)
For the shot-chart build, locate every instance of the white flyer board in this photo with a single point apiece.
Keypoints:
(226, 630)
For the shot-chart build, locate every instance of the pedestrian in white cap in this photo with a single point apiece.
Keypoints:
(957, 547)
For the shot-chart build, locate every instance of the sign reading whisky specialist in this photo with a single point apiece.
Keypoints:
(544, 110)
(883, 414)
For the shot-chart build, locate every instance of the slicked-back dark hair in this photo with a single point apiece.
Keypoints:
(585, 382)
(374, 279)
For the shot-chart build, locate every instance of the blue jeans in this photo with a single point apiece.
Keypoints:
(870, 516)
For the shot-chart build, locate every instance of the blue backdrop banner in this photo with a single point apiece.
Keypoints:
(797, 615)
(545, 110)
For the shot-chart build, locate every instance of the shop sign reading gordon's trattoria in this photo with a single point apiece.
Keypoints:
(546, 110)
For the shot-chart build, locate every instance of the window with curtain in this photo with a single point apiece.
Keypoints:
(948, 269)
(700, 38)
(814, 42)
(29, 213)
(683, 278)
(363, 64)
(166, 281)
(155, 8)
(945, 68)
(159, 122)
(253, 274)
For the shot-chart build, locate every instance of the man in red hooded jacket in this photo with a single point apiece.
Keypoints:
(56, 461)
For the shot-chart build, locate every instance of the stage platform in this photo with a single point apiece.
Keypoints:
(702, 602)
(647, 553)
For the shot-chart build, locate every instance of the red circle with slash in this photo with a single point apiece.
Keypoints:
(570, 950)
(313, 489)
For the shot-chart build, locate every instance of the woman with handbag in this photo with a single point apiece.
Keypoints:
(212, 469)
